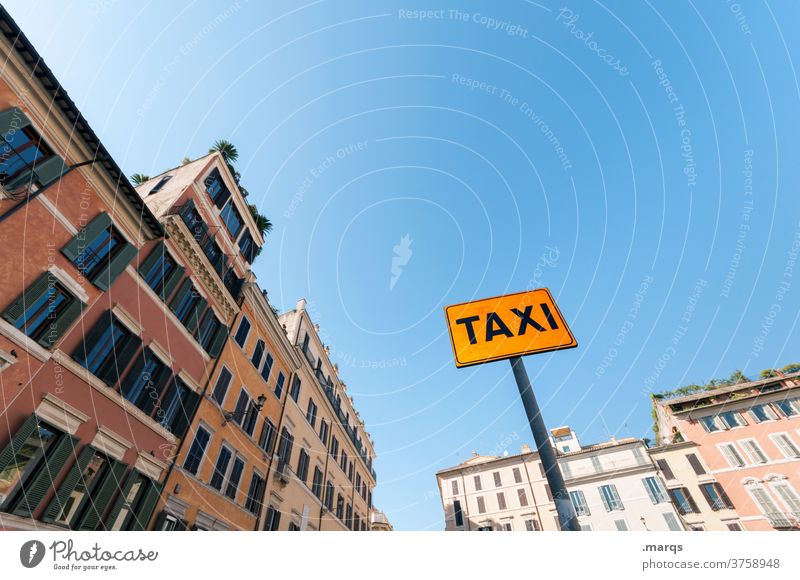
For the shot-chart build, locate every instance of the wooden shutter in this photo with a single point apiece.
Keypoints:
(13, 118)
(16, 310)
(220, 335)
(690, 500)
(110, 372)
(158, 383)
(172, 281)
(114, 267)
(85, 237)
(665, 468)
(99, 500)
(50, 170)
(25, 430)
(148, 504)
(122, 501)
(185, 288)
(36, 489)
(74, 475)
(185, 414)
(62, 323)
(91, 338)
(725, 499)
(196, 314)
(707, 497)
(147, 264)
(695, 463)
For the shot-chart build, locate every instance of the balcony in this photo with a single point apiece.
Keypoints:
(781, 521)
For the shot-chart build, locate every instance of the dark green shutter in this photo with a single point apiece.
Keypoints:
(85, 237)
(122, 501)
(185, 288)
(219, 339)
(172, 281)
(42, 482)
(134, 373)
(146, 507)
(110, 372)
(16, 309)
(196, 315)
(74, 475)
(26, 430)
(13, 118)
(147, 264)
(50, 170)
(185, 414)
(157, 383)
(100, 499)
(62, 323)
(91, 337)
(114, 268)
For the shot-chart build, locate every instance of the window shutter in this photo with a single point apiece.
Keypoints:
(185, 414)
(219, 339)
(154, 256)
(70, 481)
(725, 499)
(86, 236)
(25, 431)
(122, 501)
(172, 281)
(62, 323)
(650, 491)
(142, 516)
(37, 488)
(695, 463)
(50, 170)
(123, 354)
(196, 315)
(707, 497)
(13, 118)
(16, 309)
(114, 268)
(90, 338)
(102, 497)
(185, 288)
(690, 501)
(159, 381)
(665, 468)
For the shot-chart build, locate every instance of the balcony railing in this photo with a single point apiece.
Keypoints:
(780, 521)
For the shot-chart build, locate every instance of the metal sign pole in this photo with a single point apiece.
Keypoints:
(567, 519)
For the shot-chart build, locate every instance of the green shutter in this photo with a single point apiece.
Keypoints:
(133, 374)
(50, 170)
(62, 323)
(16, 309)
(148, 504)
(185, 288)
(114, 268)
(172, 281)
(13, 118)
(72, 478)
(185, 414)
(85, 236)
(196, 315)
(122, 501)
(147, 264)
(91, 338)
(42, 482)
(219, 339)
(102, 497)
(158, 383)
(116, 363)
(26, 430)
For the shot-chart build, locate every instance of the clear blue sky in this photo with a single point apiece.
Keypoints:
(664, 229)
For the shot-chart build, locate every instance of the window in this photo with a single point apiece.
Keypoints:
(302, 465)
(246, 412)
(221, 468)
(784, 490)
(672, 522)
(548, 492)
(523, 498)
(107, 348)
(267, 439)
(311, 413)
(145, 382)
(293, 527)
(234, 478)
(734, 526)
(134, 505)
(481, 505)
(695, 463)
(711, 424)
(767, 505)
(316, 482)
(232, 219)
(517, 475)
(655, 490)
(477, 480)
(216, 188)
(221, 388)
(683, 501)
(267, 370)
(786, 445)
(272, 520)
(506, 527)
(247, 247)
(279, 385)
(732, 455)
(329, 496)
(454, 485)
(241, 333)
(255, 496)
(196, 451)
(285, 447)
(211, 333)
(100, 252)
(579, 502)
(788, 407)
(295, 392)
(76, 501)
(22, 149)
(541, 470)
(334, 447)
(339, 506)
(497, 481)
(258, 353)
(610, 497)
(348, 516)
(459, 517)
(323, 431)
(715, 496)
(754, 451)
(159, 186)
(501, 501)
(598, 467)
(732, 419)
(621, 525)
(188, 305)
(760, 413)
(531, 526)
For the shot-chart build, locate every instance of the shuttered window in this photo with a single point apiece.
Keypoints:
(273, 519)
(258, 353)
(697, 467)
(665, 468)
(295, 392)
(25, 159)
(458, 515)
(135, 503)
(196, 451)
(732, 455)
(221, 387)
(221, 468)
(160, 271)
(267, 439)
(241, 333)
(255, 495)
(145, 383)
(683, 501)
(234, 478)
(610, 497)
(786, 445)
(715, 496)
(579, 502)
(107, 348)
(302, 465)
(655, 490)
(279, 385)
(755, 452)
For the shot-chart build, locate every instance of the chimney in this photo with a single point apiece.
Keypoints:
(526, 448)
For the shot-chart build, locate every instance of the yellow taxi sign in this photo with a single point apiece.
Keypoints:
(507, 326)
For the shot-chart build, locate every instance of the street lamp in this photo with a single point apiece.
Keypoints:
(231, 415)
